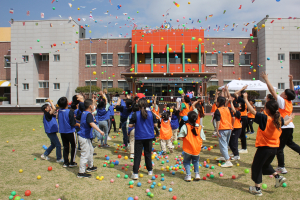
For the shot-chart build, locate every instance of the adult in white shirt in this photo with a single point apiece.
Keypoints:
(285, 108)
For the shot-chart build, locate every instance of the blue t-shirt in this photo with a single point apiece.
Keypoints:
(50, 126)
(86, 131)
(144, 128)
(66, 121)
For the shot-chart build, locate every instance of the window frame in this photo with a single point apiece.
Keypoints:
(91, 64)
(25, 56)
(54, 86)
(280, 54)
(243, 54)
(228, 54)
(295, 82)
(279, 86)
(112, 59)
(43, 81)
(25, 89)
(7, 62)
(42, 102)
(215, 81)
(295, 54)
(123, 87)
(87, 82)
(57, 56)
(41, 57)
(124, 53)
(109, 81)
(210, 54)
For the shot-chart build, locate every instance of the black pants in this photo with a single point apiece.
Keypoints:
(262, 163)
(113, 123)
(286, 138)
(234, 141)
(250, 124)
(244, 121)
(181, 123)
(67, 139)
(138, 149)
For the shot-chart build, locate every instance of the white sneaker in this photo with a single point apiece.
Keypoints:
(60, 161)
(279, 181)
(188, 178)
(243, 151)
(44, 157)
(221, 158)
(108, 138)
(131, 156)
(127, 148)
(150, 173)
(234, 158)
(197, 177)
(231, 155)
(252, 190)
(227, 164)
(214, 133)
(281, 170)
(134, 176)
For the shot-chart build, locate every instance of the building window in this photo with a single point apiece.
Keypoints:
(123, 84)
(281, 56)
(104, 84)
(41, 100)
(294, 56)
(228, 59)
(212, 83)
(124, 59)
(44, 57)
(175, 58)
(6, 61)
(56, 58)
(25, 58)
(43, 84)
(281, 86)
(89, 57)
(107, 59)
(56, 86)
(226, 82)
(25, 86)
(93, 83)
(147, 58)
(211, 59)
(245, 59)
(296, 83)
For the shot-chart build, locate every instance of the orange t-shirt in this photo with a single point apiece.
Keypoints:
(156, 112)
(213, 108)
(225, 118)
(191, 143)
(185, 111)
(250, 115)
(237, 123)
(229, 105)
(244, 113)
(287, 110)
(165, 130)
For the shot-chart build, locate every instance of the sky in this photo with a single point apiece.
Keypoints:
(220, 18)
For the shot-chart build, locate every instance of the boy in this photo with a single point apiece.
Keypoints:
(85, 134)
(51, 128)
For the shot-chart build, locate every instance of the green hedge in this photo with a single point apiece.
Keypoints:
(114, 90)
(252, 93)
(3, 98)
(86, 89)
(212, 88)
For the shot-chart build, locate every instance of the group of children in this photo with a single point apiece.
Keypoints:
(141, 119)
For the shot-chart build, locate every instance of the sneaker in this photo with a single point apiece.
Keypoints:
(252, 190)
(227, 164)
(108, 138)
(231, 155)
(247, 132)
(171, 150)
(243, 151)
(221, 158)
(94, 146)
(131, 156)
(91, 169)
(163, 153)
(94, 154)
(279, 181)
(106, 146)
(73, 165)
(281, 170)
(65, 165)
(83, 175)
(188, 178)
(252, 132)
(44, 157)
(234, 158)
(197, 177)
(60, 160)
(150, 173)
(134, 176)
(214, 133)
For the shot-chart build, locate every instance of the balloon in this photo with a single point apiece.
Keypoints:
(94, 72)
(185, 118)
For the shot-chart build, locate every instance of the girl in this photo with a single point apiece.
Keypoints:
(102, 117)
(236, 132)
(131, 132)
(213, 109)
(174, 113)
(190, 135)
(184, 109)
(251, 117)
(67, 123)
(267, 143)
(165, 132)
(144, 121)
(155, 110)
(78, 106)
(225, 120)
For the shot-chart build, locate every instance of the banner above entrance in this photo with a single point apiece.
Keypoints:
(169, 80)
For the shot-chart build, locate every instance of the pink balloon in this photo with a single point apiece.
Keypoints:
(136, 198)
(147, 190)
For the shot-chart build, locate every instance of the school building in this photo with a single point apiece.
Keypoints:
(51, 58)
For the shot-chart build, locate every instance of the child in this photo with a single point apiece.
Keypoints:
(184, 109)
(267, 143)
(144, 122)
(155, 110)
(213, 109)
(251, 117)
(131, 132)
(78, 106)
(174, 121)
(192, 142)
(51, 128)
(236, 132)
(101, 117)
(67, 123)
(165, 132)
(85, 135)
(224, 119)
(112, 119)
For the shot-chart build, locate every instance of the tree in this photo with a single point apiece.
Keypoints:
(212, 88)
(252, 94)
(86, 89)
(114, 90)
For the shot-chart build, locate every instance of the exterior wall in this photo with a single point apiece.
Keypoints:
(24, 42)
(232, 72)
(99, 46)
(295, 69)
(279, 37)
(43, 92)
(4, 50)
(43, 70)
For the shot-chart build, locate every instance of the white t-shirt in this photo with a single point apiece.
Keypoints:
(281, 104)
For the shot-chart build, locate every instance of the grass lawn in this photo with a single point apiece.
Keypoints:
(18, 131)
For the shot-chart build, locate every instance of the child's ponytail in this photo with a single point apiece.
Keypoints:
(142, 105)
(273, 106)
(199, 107)
(192, 117)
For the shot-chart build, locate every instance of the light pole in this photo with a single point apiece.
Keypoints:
(107, 58)
(17, 81)
(90, 95)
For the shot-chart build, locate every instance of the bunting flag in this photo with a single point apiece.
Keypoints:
(232, 29)
(28, 13)
(240, 7)
(224, 12)
(110, 2)
(211, 15)
(11, 11)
